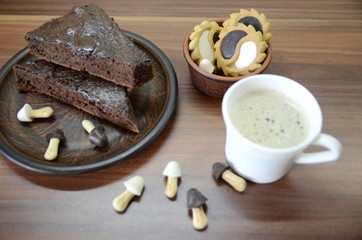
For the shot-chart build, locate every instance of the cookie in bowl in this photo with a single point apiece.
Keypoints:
(240, 49)
(201, 46)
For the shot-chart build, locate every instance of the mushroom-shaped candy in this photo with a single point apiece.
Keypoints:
(221, 170)
(54, 138)
(173, 172)
(195, 201)
(134, 186)
(97, 135)
(27, 113)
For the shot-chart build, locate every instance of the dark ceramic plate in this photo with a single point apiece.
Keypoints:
(25, 143)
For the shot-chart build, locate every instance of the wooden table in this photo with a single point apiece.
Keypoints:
(317, 43)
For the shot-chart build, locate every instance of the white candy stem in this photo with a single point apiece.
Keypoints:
(121, 202)
(199, 219)
(238, 183)
(52, 150)
(44, 112)
(171, 187)
(88, 125)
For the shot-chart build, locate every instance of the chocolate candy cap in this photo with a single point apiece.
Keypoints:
(98, 136)
(195, 198)
(56, 133)
(218, 169)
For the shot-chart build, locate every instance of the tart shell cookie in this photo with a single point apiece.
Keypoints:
(202, 41)
(252, 17)
(240, 50)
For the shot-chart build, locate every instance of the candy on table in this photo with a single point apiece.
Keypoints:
(252, 17)
(134, 186)
(173, 172)
(222, 171)
(54, 138)
(201, 45)
(240, 50)
(195, 202)
(97, 135)
(27, 113)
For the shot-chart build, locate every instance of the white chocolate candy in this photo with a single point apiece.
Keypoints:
(206, 65)
(27, 114)
(202, 41)
(205, 49)
(172, 169)
(247, 55)
(173, 172)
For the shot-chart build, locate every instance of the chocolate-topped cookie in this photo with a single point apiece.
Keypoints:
(240, 50)
(202, 41)
(253, 18)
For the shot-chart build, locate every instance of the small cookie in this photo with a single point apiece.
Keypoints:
(202, 41)
(240, 50)
(252, 17)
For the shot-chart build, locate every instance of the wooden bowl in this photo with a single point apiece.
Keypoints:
(212, 84)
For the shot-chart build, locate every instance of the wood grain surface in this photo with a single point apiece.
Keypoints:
(317, 43)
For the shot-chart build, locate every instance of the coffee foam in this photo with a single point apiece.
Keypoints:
(270, 119)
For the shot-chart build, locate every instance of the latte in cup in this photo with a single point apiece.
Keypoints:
(270, 119)
(270, 122)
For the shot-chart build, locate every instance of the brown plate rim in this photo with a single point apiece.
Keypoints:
(152, 134)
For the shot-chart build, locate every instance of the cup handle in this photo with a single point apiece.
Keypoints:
(332, 153)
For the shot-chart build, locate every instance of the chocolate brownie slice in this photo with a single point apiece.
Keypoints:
(87, 39)
(79, 89)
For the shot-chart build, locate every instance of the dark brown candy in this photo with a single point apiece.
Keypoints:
(252, 21)
(195, 198)
(57, 133)
(229, 42)
(215, 38)
(218, 169)
(98, 136)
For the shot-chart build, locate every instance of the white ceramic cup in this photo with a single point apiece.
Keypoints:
(262, 164)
